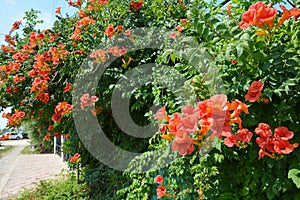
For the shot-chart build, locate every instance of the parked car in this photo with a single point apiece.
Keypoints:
(25, 135)
(15, 136)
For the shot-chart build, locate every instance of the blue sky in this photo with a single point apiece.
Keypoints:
(13, 10)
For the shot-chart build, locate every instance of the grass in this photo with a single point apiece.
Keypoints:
(29, 150)
(4, 151)
(64, 188)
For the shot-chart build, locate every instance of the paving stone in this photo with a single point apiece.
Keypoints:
(19, 171)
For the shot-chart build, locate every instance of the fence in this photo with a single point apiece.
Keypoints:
(58, 148)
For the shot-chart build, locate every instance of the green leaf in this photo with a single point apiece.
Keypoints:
(294, 174)
(218, 157)
(239, 50)
(229, 50)
(173, 57)
(270, 194)
(200, 27)
(220, 27)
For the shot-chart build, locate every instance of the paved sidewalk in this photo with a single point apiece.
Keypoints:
(19, 171)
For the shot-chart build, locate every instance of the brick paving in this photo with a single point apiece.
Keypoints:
(18, 172)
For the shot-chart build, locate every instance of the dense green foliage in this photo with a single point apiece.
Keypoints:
(65, 187)
(241, 56)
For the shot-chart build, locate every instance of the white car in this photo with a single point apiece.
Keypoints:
(15, 136)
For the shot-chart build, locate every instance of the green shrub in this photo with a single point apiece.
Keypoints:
(241, 57)
(64, 187)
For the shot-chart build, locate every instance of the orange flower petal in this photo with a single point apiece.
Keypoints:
(261, 33)
(166, 137)
(286, 15)
(294, 12)
(229, 10)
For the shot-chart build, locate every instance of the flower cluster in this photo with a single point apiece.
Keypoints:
(278, 143)
(263, 16)
(254, 91)
(81, 13)
(7, 49)
(242, 136)
(99, 1)
(47, 136)
(68, 87)
(136, 5)
(99, 55)
(161, 190)
(16, 118)
(6, 115)
(27, 49)
(10, 68)
(41, 65)
(75, 158)
(110, 30)
(42, 68)
(294, 12)
(77, 3)
(57, 11)
(86, 100)
(57, 134)
(39, 86)
(10, 40)
(43, 96)
(96, 4)
(10, 90)
(20, 57)
(52, 37)
(80, 25)
(190, 129)
(260, 15)
(116, 51)
(16, 25)
(179, 29)
(50, 128)
(61, 109)
(36, 39)
(58, 53)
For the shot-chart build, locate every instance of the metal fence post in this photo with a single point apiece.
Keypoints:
(54, 151)
(61, 147)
